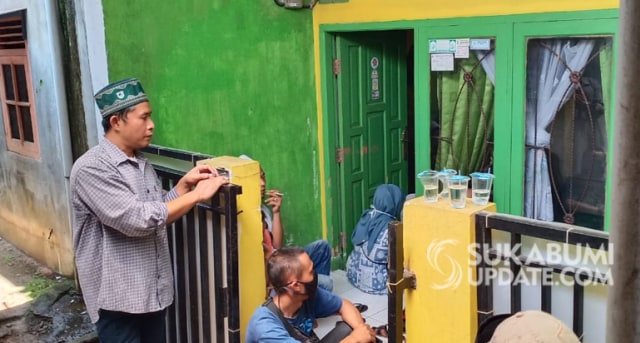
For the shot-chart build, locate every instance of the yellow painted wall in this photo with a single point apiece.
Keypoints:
(246, 173)
(437, 238)
(356, 11)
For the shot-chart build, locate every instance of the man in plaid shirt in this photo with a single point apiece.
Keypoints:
(120, 215)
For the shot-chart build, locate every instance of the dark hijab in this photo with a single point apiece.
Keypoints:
(387, 206)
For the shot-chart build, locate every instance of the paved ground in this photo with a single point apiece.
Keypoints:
(37, 305)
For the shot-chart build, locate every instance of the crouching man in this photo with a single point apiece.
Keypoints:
(289, 316)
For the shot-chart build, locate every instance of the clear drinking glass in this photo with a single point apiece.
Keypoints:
(458, 185)
(429, 179)
(444, 175)
(481, 187)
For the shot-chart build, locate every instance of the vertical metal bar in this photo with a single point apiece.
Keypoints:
(516, 288)
(233, 287)
(204, 275)
(484, 292)
(181, 298)
(545, 297)
(217, 272)
(171, 324)
(578, 307)
(171, 311)
(166, 183)
(396, 271)
(192, 300)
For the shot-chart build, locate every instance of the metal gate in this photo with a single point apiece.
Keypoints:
(518, 229)
(505, 241)
(204, 252)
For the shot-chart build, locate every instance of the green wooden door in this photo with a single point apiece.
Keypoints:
(371, 119)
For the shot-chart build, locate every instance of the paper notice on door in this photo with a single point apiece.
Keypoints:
(441, 62)
(462, 48)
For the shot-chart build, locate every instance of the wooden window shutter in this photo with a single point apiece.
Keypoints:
(13, 31)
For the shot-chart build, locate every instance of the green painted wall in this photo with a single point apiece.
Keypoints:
(228, 78)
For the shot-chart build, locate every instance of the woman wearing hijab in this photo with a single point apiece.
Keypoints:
(367, 263)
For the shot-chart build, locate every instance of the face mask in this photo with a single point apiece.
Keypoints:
(311, 287)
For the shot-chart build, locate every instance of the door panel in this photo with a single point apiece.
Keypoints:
(372, 114)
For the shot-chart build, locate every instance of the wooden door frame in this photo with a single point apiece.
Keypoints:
(330, 175)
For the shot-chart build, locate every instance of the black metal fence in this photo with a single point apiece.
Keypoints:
(518, 228)
(204, 250)
(399, 280)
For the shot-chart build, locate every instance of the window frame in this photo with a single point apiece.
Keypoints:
(511, 34)
(19, 57)
(502, 33)
(554, 29)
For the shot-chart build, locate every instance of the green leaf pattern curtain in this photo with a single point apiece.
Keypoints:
(466, 116)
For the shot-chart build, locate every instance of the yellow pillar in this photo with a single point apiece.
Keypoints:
(437, 239)
(246, 173)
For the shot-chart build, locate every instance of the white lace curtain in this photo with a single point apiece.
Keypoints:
(548, 89)
(488, 61)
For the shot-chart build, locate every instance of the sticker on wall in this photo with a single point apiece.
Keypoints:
(438, 46)
(441, 62)
(375, 89)
(374, 62)
(480, 44)
(462, 48)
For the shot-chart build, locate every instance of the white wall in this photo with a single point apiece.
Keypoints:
(34, 205)
(91, 43)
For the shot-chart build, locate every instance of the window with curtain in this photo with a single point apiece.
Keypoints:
(566, 129)
(16, 92)
(462, 113)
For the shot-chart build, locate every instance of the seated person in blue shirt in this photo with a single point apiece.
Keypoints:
(290, 315)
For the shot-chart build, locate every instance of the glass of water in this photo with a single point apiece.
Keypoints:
(458, 185)
(481, 187)
(429, 179)
(444, 175)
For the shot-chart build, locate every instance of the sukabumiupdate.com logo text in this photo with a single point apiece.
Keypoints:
(544, 264)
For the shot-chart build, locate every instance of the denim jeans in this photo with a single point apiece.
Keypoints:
(320, 253)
